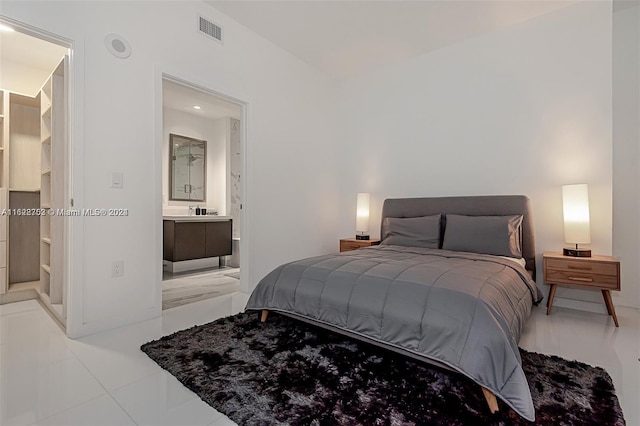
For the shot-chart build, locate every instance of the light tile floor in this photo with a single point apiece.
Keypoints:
(189, 287)
(104, 379)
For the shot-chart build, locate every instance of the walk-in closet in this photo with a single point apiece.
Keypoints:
(33, 141)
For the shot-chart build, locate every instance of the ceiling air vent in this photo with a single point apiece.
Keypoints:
(210, 29)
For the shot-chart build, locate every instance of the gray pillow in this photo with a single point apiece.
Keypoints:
(421, 231)
(497, 235)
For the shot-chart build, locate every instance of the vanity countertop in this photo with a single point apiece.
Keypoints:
(205, 218)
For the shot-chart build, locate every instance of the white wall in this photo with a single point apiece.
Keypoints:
(524, 110)
(291, 145)
(626, 149)
(214, 132)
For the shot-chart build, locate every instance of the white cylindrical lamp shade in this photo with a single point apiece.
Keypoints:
(362, 213)
(575, 209)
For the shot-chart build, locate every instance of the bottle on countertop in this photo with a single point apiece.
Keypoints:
(198, 211)
(203, 211)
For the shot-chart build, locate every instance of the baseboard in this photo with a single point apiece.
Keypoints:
(580, 305)
(115, 321)
(191, 265)
(18, 296)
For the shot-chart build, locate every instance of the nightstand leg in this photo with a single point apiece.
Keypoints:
(552, 294)
(606, 302)
(606, 294)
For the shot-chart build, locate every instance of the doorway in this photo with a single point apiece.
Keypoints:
(34, 169)
(202, 180)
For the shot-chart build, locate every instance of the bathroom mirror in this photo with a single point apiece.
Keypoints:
(187, 168)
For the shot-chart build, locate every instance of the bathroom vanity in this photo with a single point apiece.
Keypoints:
(188, 238)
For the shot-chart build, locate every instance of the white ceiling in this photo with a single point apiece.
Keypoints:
(349, 38)
(182, 98)
(26, 62)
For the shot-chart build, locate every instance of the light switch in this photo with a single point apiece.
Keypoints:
(116, 180)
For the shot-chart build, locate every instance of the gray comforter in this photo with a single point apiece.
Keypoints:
(463, 310)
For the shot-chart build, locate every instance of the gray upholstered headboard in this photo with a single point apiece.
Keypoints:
(492, 205)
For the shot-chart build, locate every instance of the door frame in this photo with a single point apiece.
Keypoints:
(72, 175)
(162, 73)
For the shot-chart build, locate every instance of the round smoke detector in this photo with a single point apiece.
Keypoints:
(117, 46)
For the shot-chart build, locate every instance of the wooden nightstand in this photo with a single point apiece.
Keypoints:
(347, 244)
(596, 272)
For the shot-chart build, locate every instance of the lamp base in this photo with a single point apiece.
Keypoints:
(576, 252)
(362, 237)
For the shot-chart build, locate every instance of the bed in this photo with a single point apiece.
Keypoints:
(452, 284)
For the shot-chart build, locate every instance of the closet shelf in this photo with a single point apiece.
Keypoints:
(46, 240)
(47, 139)
(24, 189)
(46, 268)
(46, 172)
(46, 112)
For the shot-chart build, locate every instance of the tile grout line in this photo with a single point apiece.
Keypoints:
(65, 340)
(106, 391)
(34, 308)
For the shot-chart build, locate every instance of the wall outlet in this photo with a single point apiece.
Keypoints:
(117, 180)
(117, 268)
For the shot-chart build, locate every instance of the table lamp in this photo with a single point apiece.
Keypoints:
(575, 210)
(362, 216)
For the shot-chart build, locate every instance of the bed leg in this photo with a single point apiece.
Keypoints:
(491, 400)
(263, 317)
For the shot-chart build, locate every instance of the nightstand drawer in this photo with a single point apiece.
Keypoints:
(348, 244)
(581, 278)
(581, 267)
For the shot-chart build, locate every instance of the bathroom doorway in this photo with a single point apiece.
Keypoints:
(202, 197)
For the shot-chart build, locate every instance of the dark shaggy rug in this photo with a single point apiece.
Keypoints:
(288, 372)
